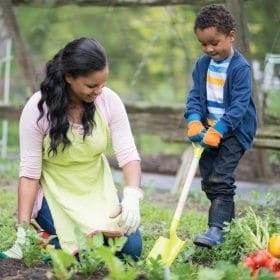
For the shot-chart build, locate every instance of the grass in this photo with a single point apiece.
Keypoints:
(13, 137)
(8, 170)
(7, 218)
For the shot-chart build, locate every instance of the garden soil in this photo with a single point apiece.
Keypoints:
(16, 270)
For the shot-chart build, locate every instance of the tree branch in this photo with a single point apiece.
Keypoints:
(120, 3)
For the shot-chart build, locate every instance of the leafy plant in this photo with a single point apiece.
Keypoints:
(243, 236)
(89, 260)
(256, 231)
(33, 251)
(224, 271)
(116, 267)
(154, 269)
(64, 265)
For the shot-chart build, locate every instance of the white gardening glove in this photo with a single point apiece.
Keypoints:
(15, 252)
(130, 215)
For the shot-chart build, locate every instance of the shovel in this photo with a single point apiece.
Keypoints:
(166, 248)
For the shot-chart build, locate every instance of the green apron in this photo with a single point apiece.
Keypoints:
(79, 187)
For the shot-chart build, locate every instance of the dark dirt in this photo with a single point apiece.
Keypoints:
(15, 269)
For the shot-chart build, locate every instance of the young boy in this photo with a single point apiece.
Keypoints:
(220, 115)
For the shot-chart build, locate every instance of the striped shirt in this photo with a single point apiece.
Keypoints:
(216, 77)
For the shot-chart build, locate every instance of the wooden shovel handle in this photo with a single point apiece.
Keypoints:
(186, 188)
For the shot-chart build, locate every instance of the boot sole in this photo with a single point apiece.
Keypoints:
(202, 244)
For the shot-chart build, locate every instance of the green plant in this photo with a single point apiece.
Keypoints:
(117, 269)
(224, 271)
(243, 236)
(89, 260)
(64, 265)
(33, 251)
(154, 269)
(256, 231)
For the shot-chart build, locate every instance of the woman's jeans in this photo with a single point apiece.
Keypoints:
(132, 247)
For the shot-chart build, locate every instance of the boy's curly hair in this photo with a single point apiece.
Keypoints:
(215, 16)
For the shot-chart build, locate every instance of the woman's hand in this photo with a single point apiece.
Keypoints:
(130, 215)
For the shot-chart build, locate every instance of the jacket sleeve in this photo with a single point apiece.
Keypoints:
(240, 98)
(193, 104)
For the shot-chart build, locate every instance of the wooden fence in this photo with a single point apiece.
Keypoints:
(166, 122)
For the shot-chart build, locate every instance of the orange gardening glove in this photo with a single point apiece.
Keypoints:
(195, 131)
(195, 128)
(212, 138)
(214, 134)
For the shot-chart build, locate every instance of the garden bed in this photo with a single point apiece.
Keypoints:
(16, 270)
(192, 263)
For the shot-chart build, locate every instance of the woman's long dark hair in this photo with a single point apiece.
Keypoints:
(77, 58)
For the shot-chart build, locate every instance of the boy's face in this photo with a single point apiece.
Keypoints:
(214, 43)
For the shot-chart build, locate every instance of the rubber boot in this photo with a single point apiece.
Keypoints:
(221, 211)
(213, 236)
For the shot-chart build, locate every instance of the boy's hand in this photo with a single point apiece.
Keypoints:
(195, 129)
(212, 138)
(214, 134)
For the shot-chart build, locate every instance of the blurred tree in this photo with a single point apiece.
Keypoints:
(23, 54)
(264, 21)
(151, 49)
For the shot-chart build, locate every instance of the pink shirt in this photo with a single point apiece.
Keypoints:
(32, 134)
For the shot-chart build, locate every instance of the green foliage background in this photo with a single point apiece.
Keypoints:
(151, 50)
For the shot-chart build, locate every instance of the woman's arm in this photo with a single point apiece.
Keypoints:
(132, 194)
(132, 173)
(129, 161)
(31, 136)
(122, 138)
(27, 192)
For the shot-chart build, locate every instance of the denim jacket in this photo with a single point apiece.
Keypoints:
(239, 118)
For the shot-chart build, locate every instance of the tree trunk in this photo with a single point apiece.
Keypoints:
(237, 8)
(22, 54)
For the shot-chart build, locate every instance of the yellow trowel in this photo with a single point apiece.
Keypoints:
(166, 248)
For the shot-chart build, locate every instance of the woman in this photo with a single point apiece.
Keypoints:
(65, 129)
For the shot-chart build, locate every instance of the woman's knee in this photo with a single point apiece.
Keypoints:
(133, 245)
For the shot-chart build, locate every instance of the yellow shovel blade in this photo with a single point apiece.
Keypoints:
(168, 249)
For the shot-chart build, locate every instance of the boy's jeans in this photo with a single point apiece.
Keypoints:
(216, 168)
(132, 247)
